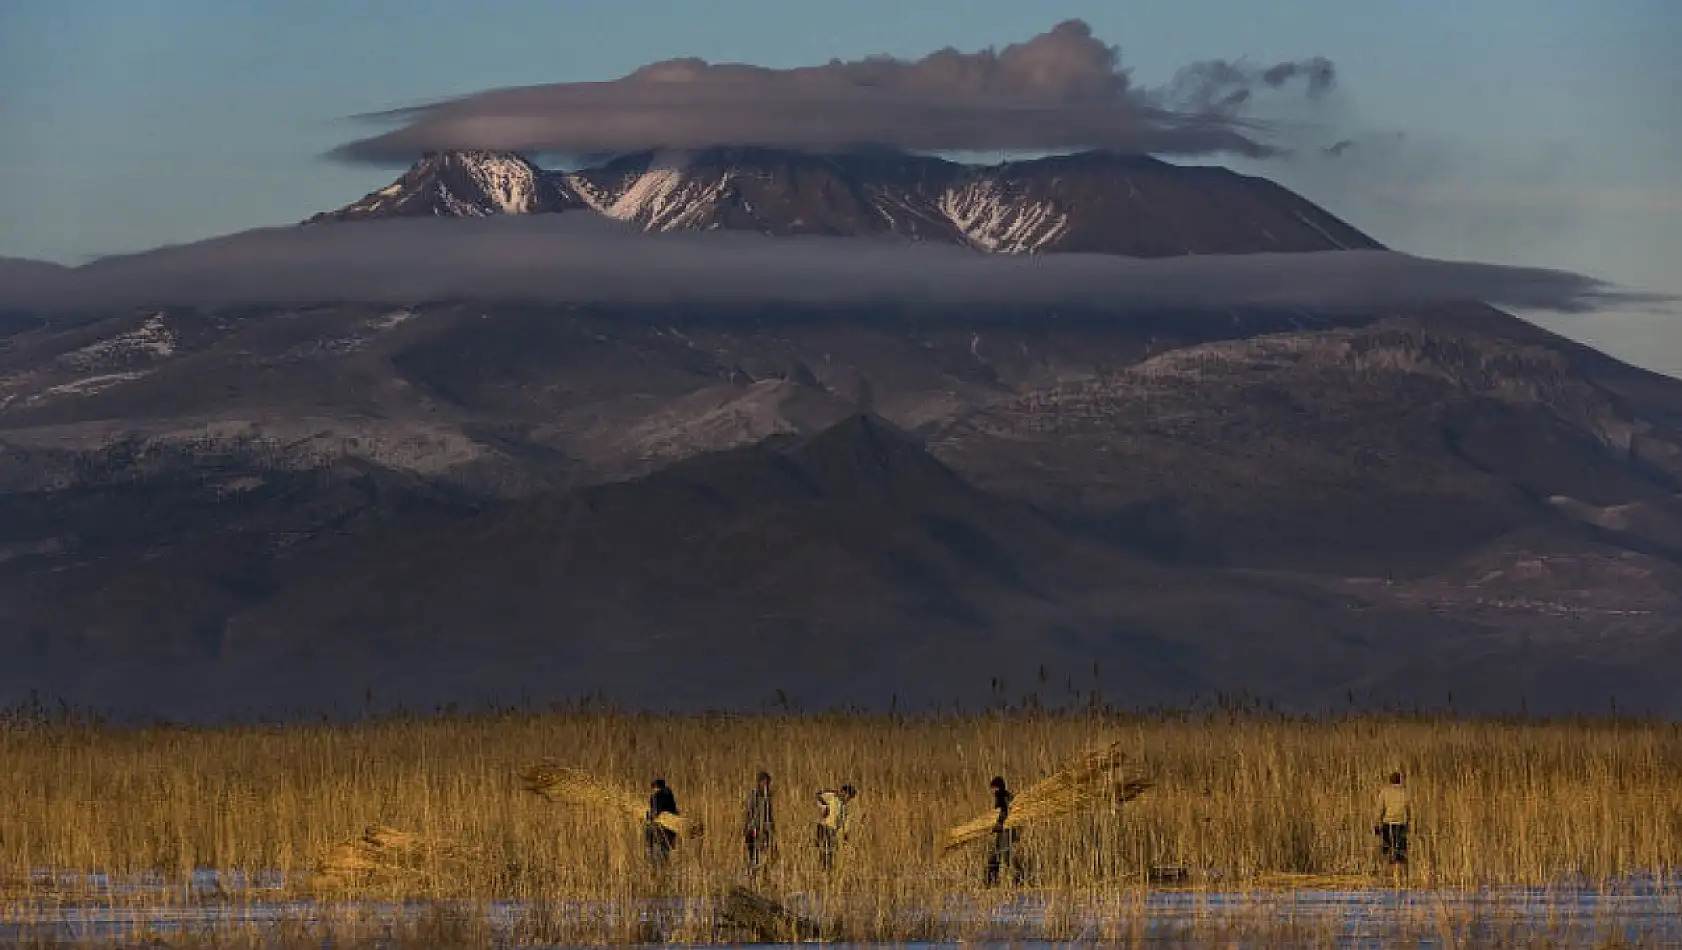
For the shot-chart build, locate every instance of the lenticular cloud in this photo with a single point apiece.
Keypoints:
(1062, 89)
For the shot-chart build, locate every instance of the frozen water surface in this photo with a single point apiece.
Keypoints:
(1643, 912)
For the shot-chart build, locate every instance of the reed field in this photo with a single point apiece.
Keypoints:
(1238, 801)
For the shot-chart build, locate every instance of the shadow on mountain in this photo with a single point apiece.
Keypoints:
(845, 568)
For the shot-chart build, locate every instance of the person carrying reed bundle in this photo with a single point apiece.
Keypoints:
(659, 839)
(1096, 777)
(581, 790)
(833, 822)
(1002, 853)
(759, 825)
(1395, 813)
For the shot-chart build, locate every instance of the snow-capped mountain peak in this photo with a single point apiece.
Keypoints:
(465, 184)
(508, 181)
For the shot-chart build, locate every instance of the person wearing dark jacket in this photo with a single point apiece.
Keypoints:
(660, 840)
(1003, 851)
(759, 824)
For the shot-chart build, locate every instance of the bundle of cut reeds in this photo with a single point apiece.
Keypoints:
(765, 918)
(1092, 777)
(382, 855)
(577, 787)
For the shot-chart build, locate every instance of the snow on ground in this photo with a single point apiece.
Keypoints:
(459, 207)
(88, 385)
(301, 441)
(152, 340)
(358, 338)
(594, 198)
(665, 197)
(729, 416)
(650, 194)
(509, 182)
(995, 221)
(1322, 231)
(391, 319)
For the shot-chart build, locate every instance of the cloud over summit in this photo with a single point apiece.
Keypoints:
(1062, 89)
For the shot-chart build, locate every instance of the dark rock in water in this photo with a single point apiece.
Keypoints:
(765, 918)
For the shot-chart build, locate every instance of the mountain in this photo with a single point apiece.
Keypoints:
(465, 185)
(1095, 202)
(204, 509)
(845, 568)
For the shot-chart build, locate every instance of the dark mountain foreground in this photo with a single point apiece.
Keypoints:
(848, 568)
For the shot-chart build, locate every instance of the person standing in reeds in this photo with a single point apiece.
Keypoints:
(759, 824)
(1395, 813)
(660, 840)
(1002, 853)
(832, 822)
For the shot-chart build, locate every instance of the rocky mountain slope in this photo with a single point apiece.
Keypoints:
(450, 501)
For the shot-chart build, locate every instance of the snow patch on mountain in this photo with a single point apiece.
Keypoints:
(358, 337)
(991, 219)
(152, 340)
(666, 196)
(650, 194)
(510, 182)
(383, 200)
(87, 386)
(1272, 353)
(454, 206)
(283, 440)
(729, 416)
(911, 214)
(594, 198)
(1320, 230)
(391, 319)
(468, 184)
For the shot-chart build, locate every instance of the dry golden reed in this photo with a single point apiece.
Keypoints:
(577, 787)
(1081, 782)
(1237, 801)
(390, 859)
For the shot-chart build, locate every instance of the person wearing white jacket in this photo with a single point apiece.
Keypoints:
(1395, 813)
(833, 822)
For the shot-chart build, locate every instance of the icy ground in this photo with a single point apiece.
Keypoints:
(1643, 912)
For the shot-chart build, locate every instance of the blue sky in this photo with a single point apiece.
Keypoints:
(1540, 132)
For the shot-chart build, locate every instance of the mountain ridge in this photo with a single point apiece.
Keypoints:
(1094, 202)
